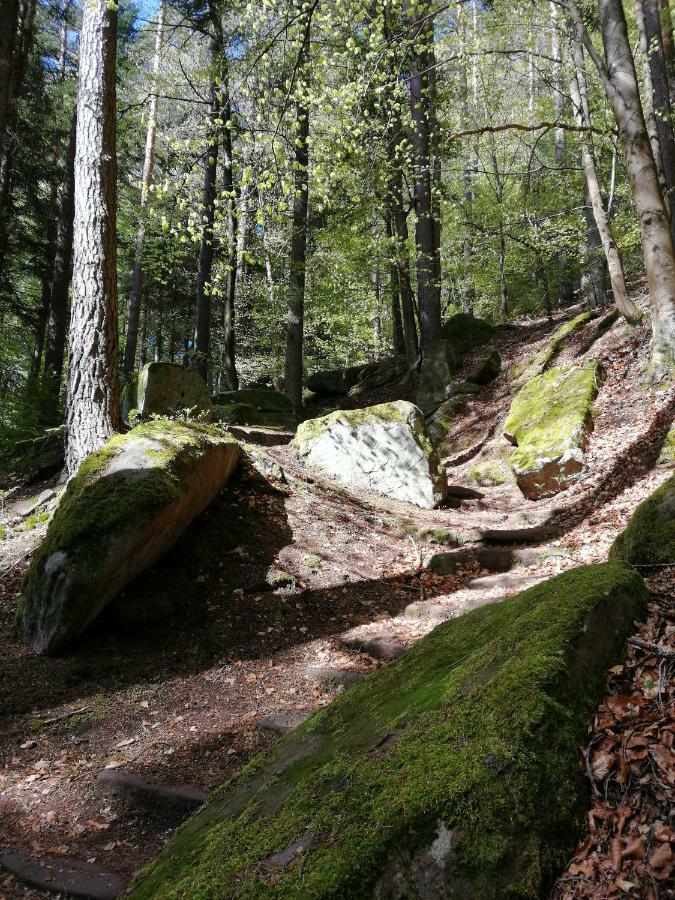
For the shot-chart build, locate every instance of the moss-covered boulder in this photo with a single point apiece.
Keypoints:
(487, 368)
(453, 772)
(125, 507)
(438, 364)
(543, 359)
(667, 454)
(467, 333)
(649, 537)
(256, 407)
(382, 448)
(336, 382)
(549, 422)
(377, 375)
(164, 389)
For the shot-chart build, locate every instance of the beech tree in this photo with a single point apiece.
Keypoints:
(93, 401)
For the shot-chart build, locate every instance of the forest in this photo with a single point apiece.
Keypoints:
(337, 403)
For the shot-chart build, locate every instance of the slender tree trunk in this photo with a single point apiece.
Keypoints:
(58, 316)
(206, 249)
(9, 22)
(398, 340)
(427, 228)
(136, 295)
(293, 372)
(468, 291)
(594, 280)
(667, 35)
(93, 401)
(648, 104)
(228, 361)
(621, 86)
(565, 286)
(503, 292)
(661, 102)
(399, 223)
(579, 94)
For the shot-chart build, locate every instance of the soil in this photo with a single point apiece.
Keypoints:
(245, 618)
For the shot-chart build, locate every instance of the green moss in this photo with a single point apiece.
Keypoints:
(34, 521)
(313, 562)
(310, 429)
(484, 717)
(467, 333)
(492, 472)
(667, 454)
(3, 532)
(541, 361)
(551, 414)
(649, 538)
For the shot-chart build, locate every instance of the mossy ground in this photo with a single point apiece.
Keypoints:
(490, 473)
(489, 717)
(551, 414)
(649, 538)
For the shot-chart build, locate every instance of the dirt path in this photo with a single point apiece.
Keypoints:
(245, 619)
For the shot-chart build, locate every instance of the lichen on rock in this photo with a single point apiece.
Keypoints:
(451, 772)
(649, 537)
(549, 421)
(383, 448)
(126, 506)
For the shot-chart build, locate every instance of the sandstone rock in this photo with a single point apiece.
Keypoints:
(490, 473)
(382, 448)
(263, 463)
(441, 420)
(25, 507)
(125, 507)
(549, 422)
(377, 375)
(649, 537)
(164, 389)
(542, 360)
(478, 796)
(667, 454)
(467, 333)
(336, 382)
(487, 368)
(262, 408)
(435, 375)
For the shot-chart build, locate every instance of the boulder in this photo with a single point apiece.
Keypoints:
(549, 422)
(336, 382)
(467, 333)
(649, 537)
(377, 375)
(264, 464)
(441, 421)
(127, 505)
(542, 360)
(487, 368)
(164, 389)
(256, 407)
(438, 364)
(452, 772)
(667, 454)
(382, 448)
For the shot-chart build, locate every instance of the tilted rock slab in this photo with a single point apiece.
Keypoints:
(649, 537)
(452, 772)
(162, 389)
(382, 448)
(128, 504)
(549, 422)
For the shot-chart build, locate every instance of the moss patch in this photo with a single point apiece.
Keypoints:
(476, 727)
(490, 473)
(667, 454)
(467, 333)
(649, 538)
(543, 359)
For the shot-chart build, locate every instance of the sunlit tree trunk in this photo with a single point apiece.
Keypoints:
(137, 275)
(648, 103)
(399, 222)
(398, 341)
(619, 79)
(93, 401)
(579, 95)
(427, 227)
(228, 360)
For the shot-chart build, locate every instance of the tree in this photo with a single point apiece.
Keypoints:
(93, 402)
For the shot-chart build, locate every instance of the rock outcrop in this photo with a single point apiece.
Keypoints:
(165, 389)
(335, 382)
(452, 772)
(549, 422)
(382, 448)
(435, 376)
(487, 368)
(649, 537)
(542, 360)
(125, 507)
(257, 407)
(467, 333)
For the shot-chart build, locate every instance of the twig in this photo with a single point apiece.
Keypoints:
(655, 649)
(68, 715)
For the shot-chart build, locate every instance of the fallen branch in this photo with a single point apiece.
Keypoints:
(654, 649)
(68, 715)
(517, 126)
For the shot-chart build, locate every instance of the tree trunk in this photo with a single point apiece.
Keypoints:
(58, 316)
(667, 35)
(503, 292)
(648, 105)
(136, 295)
(9, 21)
(427, 228)
(228, 361)
(93, 401)
(661, 102)
(579, 94)
(594, 280)
(205, 266)
(399, 223)
(398, 340)
(293, 371)
(468, 165)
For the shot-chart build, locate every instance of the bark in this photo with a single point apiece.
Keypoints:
(136, 295)
(468, 166)
(293, 371)
(503, 292)
(229, 362)
(579, 94)
(9, 20)
(93, 400)
(206, 248)
(399, 223)
(594, 280)
(648, 105)
(661, 101)
(667, 35)
(58, 315)
(619, 79)
(424, 138)
(398, 340)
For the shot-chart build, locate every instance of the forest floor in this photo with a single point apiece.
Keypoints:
(257, 609)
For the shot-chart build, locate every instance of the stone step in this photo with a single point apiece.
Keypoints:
(64, 875)
(182, 797)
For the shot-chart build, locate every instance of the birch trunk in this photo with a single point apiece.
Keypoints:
(137, 275)
(93, 401)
